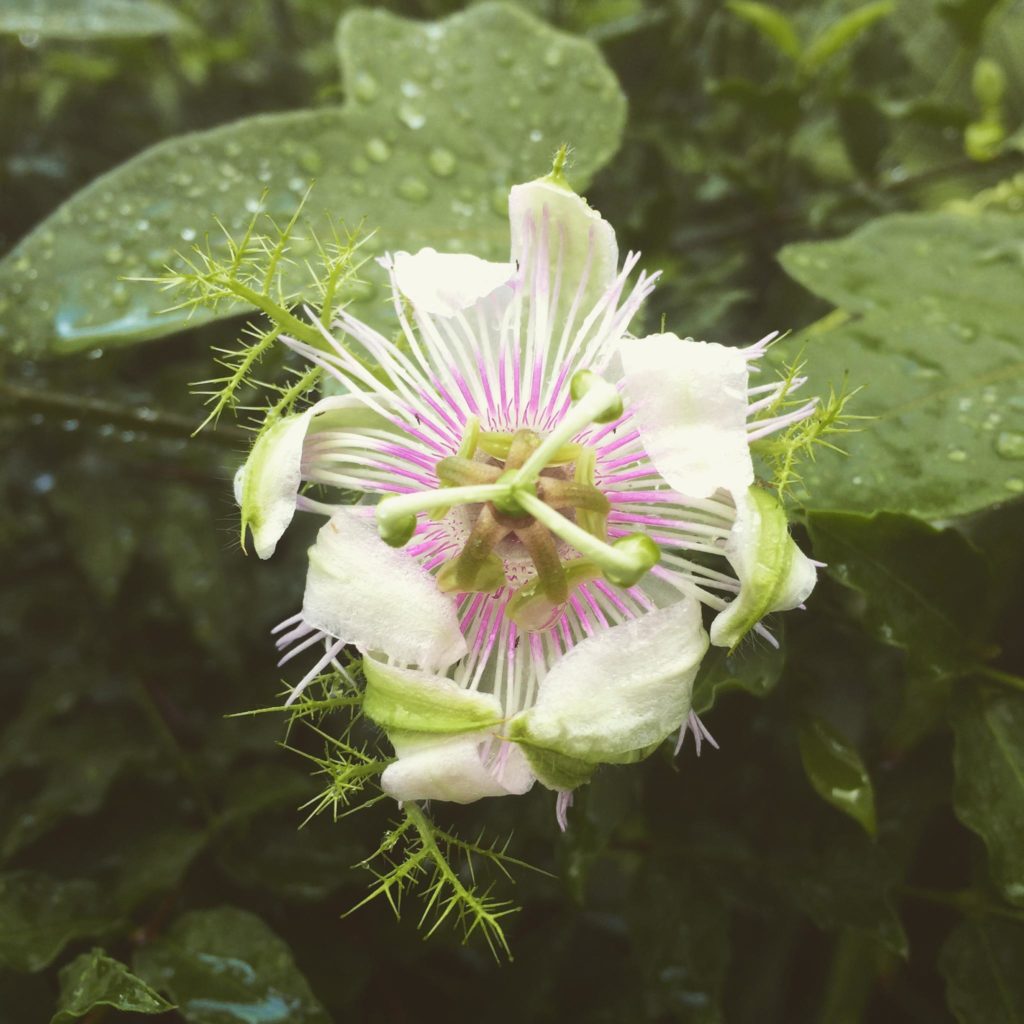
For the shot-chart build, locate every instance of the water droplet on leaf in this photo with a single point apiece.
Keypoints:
(378, 150)
(414, 190)
(366, 87)
(442, 162)
(411, 117)
(310, 160)
(1010, 445)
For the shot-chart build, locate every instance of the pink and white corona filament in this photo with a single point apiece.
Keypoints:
(552, 502)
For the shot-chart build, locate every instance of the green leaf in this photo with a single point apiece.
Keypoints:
(440, 121)
(967, 17)
(226, 965)
(932, 332)
(190, 554)
(80, 756)
(771, 23)
(679, 930)
(837, 773)
(864, 129)
(95, 979)
(754, 668)
(40, 915)
(91, 19)
(272, 854)
(927, 590)
(981, 963)
(102, 548)
(266, 844)
(843, 880)
(843, 33)
(146, 858)
(988, 794)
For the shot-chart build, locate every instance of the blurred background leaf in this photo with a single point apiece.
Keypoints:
(693, 889)
(90, 19)
(989, 791)
(980, 961)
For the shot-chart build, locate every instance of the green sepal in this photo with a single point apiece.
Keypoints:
(562, 771)
(766, 565)
(412, 701)
(555, 770)
(251, 479)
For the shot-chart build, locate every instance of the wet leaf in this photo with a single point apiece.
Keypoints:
(865, 131)
(190, 552)
(967, 17)
(843, 33)
(226, 965)
(988, 796)
(678, 924)
(837, 773)
(932, 333)
(147, 859)
(754, 668)
(80, 757)
(441, 119)
(91, 19)
(770, 22)
(926, 590)
(843, 880)
(981, 963)
(40, 915)
(95, 979)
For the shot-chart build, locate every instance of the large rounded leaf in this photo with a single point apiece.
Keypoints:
(441, 120)
(934, 336)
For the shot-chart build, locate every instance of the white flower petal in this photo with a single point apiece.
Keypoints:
(443, 284)
(577, 237)
(774, 574)
(621, 690)
(378, 598)
(267, 485)
(690, 403)
(453, 768)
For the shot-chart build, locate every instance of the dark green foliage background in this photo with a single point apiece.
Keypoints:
(149, 846)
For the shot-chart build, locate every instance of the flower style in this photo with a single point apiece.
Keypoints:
(555, 501)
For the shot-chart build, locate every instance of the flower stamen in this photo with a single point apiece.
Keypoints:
(476, 569)
(396, 514)
(623, 563)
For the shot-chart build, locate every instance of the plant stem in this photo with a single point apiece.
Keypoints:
(1005, 678)
(966, 901)
(101, 409)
